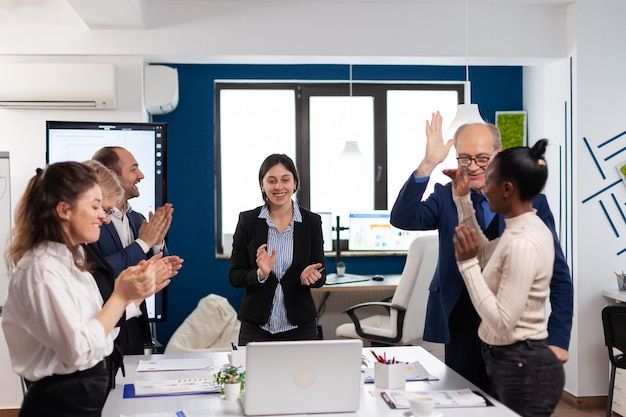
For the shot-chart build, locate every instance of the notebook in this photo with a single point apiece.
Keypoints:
(302, 377)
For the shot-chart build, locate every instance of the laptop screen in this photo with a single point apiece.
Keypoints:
(303, 377)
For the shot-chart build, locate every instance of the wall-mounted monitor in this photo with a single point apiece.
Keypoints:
(78, 141)
(372, 230)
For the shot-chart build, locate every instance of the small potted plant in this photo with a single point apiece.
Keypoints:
(231, 381)
(341, 268)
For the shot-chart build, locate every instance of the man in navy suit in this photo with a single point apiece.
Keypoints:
(129, 238)
(450, 315)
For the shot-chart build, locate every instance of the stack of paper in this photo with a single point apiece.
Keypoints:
(174, 364)
(175, 387)
(443, 398)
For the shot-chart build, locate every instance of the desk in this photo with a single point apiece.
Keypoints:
(619, 296)
(389, 283)
(211, 405)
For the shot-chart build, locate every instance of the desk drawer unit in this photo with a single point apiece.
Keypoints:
(619, 393)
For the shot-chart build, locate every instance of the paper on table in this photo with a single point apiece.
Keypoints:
(442, 398)
(179, 413)
(414, 372)
(173, 364)
(175, 386)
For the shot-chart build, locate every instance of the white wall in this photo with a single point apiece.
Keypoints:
(600, 110)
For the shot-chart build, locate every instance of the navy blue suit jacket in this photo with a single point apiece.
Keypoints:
(110, 245)
(439, 212)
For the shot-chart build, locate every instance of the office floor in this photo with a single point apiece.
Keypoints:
(564, 410)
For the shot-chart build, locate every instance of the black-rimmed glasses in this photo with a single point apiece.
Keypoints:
(481, 161)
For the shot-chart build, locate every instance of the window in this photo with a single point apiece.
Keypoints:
(352, 152)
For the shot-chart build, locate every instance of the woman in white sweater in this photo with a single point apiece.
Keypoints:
(57, 329)
(508, 280)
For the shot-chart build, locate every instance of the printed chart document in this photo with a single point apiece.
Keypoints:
(414, 371)
(174, 364)
(443, 398)
(178, 386)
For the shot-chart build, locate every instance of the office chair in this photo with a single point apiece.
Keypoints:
(404, 321)
(614, 323)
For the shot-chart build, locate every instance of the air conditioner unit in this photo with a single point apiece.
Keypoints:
(57, 86)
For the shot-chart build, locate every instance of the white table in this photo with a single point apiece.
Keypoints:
(210, 405)
(619, 296)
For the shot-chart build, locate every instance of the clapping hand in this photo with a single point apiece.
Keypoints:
(154, 230)
(311, 274)
(265, 261)
(465, 243)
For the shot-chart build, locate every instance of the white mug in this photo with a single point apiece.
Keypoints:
(421, 405)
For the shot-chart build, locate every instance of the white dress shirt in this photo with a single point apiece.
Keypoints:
(49, 318)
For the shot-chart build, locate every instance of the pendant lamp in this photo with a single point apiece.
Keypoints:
(466, 113)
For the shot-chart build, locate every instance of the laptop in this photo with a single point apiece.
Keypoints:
(318, 376)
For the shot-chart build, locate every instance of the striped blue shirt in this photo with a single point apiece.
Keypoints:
(282, 242)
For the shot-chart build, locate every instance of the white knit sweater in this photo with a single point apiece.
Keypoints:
(510, 292)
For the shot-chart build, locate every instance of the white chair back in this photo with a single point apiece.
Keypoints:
(412, 292)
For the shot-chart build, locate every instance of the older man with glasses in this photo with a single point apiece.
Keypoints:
(451, 317)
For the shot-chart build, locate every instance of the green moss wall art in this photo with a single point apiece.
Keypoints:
(512, 125)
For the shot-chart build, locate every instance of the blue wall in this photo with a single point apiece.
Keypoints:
(191, 162)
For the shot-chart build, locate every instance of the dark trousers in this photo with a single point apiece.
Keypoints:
(79, 394)
(463, 352)
(253, 333)
(526, 376)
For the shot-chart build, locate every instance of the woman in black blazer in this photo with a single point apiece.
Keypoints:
(278, 255)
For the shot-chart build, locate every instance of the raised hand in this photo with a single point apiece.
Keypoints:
(310, 275)
(460, 181)
(436, 149)
(465, 243)
(265, 261)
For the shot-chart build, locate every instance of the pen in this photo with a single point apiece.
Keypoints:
(233, 346)
(321, 269)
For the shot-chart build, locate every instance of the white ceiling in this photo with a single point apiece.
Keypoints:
(147, 14)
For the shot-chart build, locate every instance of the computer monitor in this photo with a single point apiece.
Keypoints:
(327, 230)
(78, 141)
(372, 230)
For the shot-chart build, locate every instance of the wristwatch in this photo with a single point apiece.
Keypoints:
(259, 275)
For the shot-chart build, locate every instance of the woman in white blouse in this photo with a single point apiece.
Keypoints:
(508, 280)
(57, 329)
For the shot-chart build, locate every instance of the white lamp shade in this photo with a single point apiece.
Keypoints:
(465, 113)
(351, 160)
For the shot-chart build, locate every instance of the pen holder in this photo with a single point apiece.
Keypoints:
(621, 282)
(389, 376)
(238, 357)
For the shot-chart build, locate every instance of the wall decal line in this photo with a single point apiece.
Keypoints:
(606, 213)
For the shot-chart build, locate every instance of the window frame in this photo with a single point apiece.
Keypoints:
(303, 91)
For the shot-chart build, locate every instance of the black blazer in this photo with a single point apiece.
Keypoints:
(308, 249)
